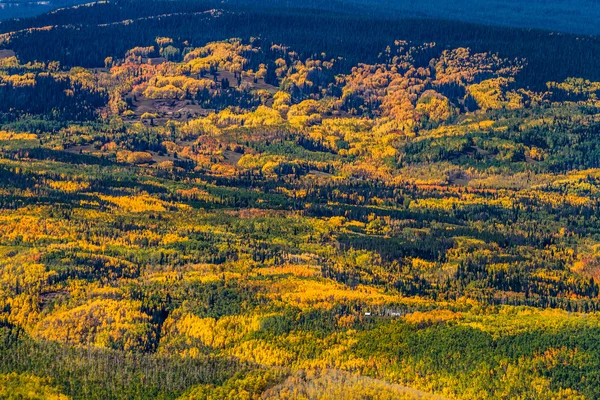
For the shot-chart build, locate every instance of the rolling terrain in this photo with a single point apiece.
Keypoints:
(285, 201)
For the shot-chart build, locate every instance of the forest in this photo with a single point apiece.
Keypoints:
(220, 201)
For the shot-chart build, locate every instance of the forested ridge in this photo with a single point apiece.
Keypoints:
(340, 30)
(211, 201)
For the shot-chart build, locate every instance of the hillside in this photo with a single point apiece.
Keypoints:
(195, 213)
(578, 17)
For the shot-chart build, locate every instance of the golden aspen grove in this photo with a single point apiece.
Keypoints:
(226, 200)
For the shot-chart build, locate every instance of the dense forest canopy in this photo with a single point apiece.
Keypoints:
(112, 28)
(227, 201)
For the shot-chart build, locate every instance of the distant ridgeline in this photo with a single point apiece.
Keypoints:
(27, 8)
(84, 36)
